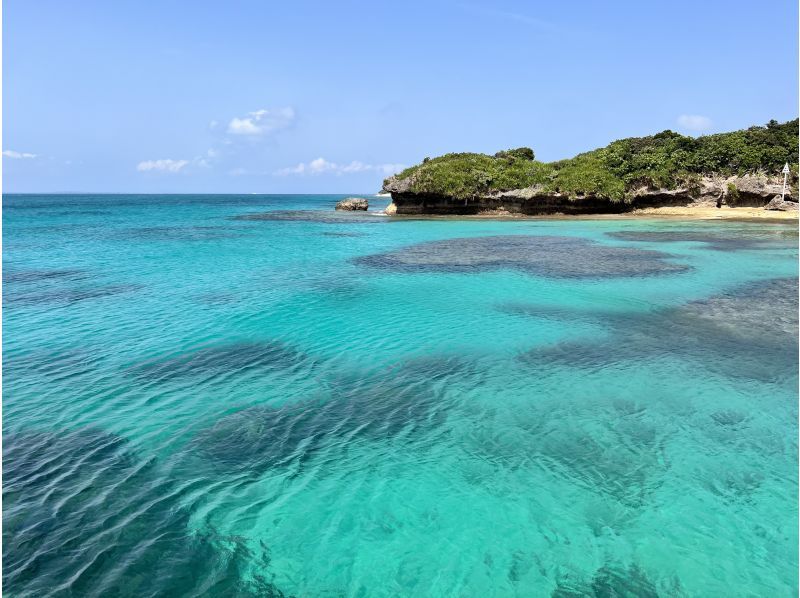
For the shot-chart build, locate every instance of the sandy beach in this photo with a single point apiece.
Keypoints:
(713, 213)
(672, 212)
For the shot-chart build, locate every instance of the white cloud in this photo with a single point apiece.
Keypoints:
(322, 166)
(166, 165)
(173, 166)
(694, 122)
(18, 155)
(206, 160)
(299, 169)
(261, 122)
(355, 166)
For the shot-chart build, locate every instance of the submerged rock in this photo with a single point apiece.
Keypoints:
(351, 204)
(14, 276)
(84, 513)
(65, 296)
(749, 331)
(218, 360)
(617, 581)
(404, 401)
(551, 256)
(714, 240)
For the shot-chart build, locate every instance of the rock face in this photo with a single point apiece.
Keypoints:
(780, 205)
(736, 191)
(353, 204)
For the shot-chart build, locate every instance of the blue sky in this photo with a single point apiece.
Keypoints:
(317, 97)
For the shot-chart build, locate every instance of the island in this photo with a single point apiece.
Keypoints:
(668, 170)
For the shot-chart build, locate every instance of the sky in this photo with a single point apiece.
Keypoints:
(332, 97)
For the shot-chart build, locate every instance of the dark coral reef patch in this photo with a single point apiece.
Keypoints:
(750, 331)
(84, 514)
(224, 359)
(555, 257)
(403, 401)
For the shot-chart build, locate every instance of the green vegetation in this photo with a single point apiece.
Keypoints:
(465, 175)
(665, 160)
(733, 193)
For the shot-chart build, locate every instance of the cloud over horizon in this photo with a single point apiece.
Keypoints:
(323, 166)
(694, 122)
(173, 166)
(18, 155)
(164, 165)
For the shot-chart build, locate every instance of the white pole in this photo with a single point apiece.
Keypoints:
(785, 174)
(783, 195)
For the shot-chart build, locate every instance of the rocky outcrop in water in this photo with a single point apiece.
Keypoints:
(735, 191)
(780, 205)
(352, 204)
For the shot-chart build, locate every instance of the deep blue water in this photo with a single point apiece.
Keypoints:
(255, 395)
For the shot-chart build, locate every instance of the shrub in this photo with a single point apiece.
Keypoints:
(733, 194)
(521, 153)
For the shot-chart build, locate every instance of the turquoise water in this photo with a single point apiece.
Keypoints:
(254, 395)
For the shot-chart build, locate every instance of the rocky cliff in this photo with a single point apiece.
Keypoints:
(737, 169)
(734, 191)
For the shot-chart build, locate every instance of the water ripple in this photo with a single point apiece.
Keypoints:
(567, 410)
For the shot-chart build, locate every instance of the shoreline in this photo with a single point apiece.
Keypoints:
(721, 213)
(690, 213)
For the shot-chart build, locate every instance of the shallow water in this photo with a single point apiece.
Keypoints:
(257, 396)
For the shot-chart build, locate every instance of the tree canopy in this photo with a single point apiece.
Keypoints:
(664, 160)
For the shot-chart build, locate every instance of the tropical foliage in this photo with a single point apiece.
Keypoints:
(665, 160)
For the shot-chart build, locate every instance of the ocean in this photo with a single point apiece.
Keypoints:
(254, 395)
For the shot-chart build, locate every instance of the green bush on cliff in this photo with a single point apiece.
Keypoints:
(585, 174)
(733, 193)
(520, 153)
(657, 161)
(465, 175)
(665, 160)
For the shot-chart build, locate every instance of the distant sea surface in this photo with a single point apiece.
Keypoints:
(254, 395)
